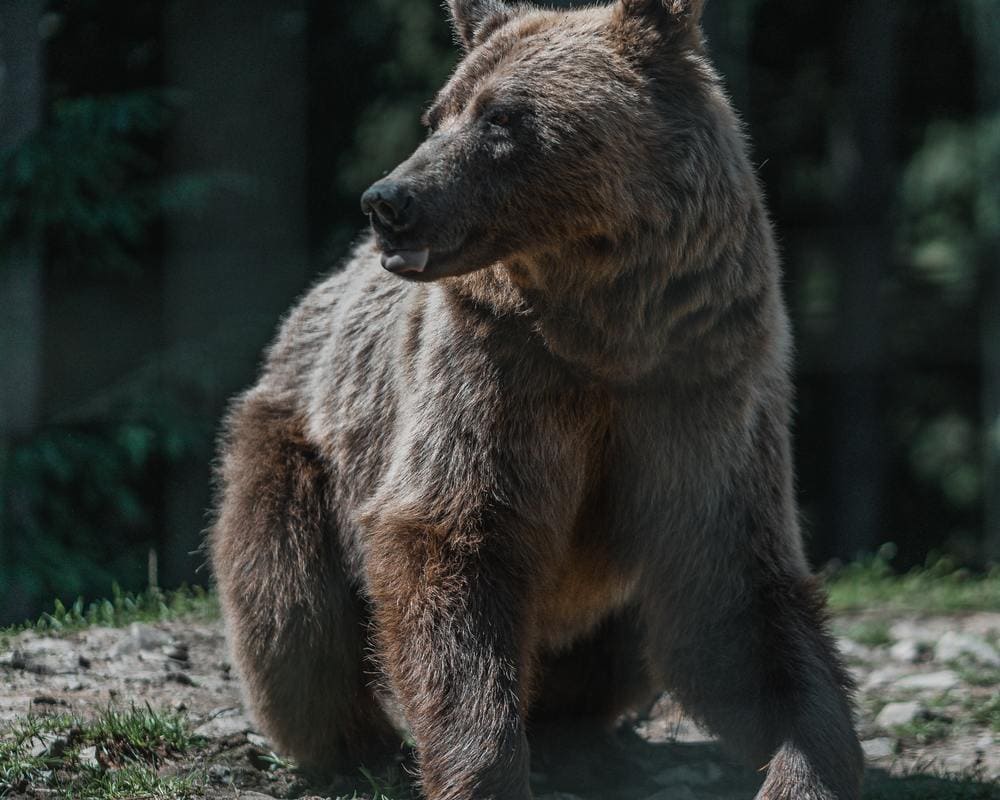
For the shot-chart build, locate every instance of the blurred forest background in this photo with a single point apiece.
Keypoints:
(173, 173)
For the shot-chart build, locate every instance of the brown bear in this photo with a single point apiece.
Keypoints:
(552, 446)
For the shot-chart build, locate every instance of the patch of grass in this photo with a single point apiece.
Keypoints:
(925, 730)
(130, 782)
(939, 587)
(129, 746)
(871, 633)
(124, 608)
(137, 735)
(20, 762)
(985, 712)
(976, 675)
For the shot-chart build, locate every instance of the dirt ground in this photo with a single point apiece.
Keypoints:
(928, 705)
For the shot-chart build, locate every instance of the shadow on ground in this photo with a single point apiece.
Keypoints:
(571, 764)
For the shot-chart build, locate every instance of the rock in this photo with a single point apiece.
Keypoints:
(908, 629)
(952, 646)
(218, 773)
(179, 652)
(44, 656)
(898, 714)
(930, 681)
(875, 749)
(882, 676)
(690, 775)
(141, 638)
(48, 745)
(259, 741)
(985, 743)
(88, 758)
(228, 722)
(255, 796)
(47, 700)
(908, 651)
(853, 651)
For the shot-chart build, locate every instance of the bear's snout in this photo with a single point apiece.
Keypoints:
(389, 202)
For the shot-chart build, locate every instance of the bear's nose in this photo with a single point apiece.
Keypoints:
(390, 202)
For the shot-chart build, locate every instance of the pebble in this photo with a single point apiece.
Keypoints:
(49, 745)
(908, 651)
(142, 638)
(179, 652)
(88, 757)
(882, 747)
(952, 646)
(229, 722)
(219, 773)
(898, 714)
(853, 651)
(930, 681)
(258, 741)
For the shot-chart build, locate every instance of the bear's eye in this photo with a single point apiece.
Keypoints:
(499, 118)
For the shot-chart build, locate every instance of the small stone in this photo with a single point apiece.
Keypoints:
(218, 773)
(952, 646)
(908, 651)
(985, 743)
(48, 745)
(258, 741)
(178, 652)
(930, 681)
(88, 757)
(141, 638)
(255, 796)
(180, 677)
(47, 700)
(230, 722)
(898, 714)
(875, 749)
(907, 629)
(853, 651)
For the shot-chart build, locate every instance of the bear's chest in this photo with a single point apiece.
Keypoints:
(585, 586)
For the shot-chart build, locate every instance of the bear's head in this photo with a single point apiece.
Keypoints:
(558, 129)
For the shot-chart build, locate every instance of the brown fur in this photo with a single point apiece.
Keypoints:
(551, 473)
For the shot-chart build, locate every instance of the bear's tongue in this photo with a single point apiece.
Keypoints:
(405, 260)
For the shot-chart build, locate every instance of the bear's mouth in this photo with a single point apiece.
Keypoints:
(405, 262)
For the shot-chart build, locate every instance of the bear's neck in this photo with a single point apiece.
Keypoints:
(652, 304)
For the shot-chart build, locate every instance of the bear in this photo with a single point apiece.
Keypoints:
(526, 454)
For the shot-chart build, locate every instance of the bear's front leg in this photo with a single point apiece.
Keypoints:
(449, 623)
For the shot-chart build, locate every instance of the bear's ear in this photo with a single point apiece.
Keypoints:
(473, 18)
(679, 15)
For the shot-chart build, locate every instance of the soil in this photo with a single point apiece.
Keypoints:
(928, 704)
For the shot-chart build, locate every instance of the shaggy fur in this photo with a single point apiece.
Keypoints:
(549, 473)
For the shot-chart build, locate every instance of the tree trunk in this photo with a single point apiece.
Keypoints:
(21, 97)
